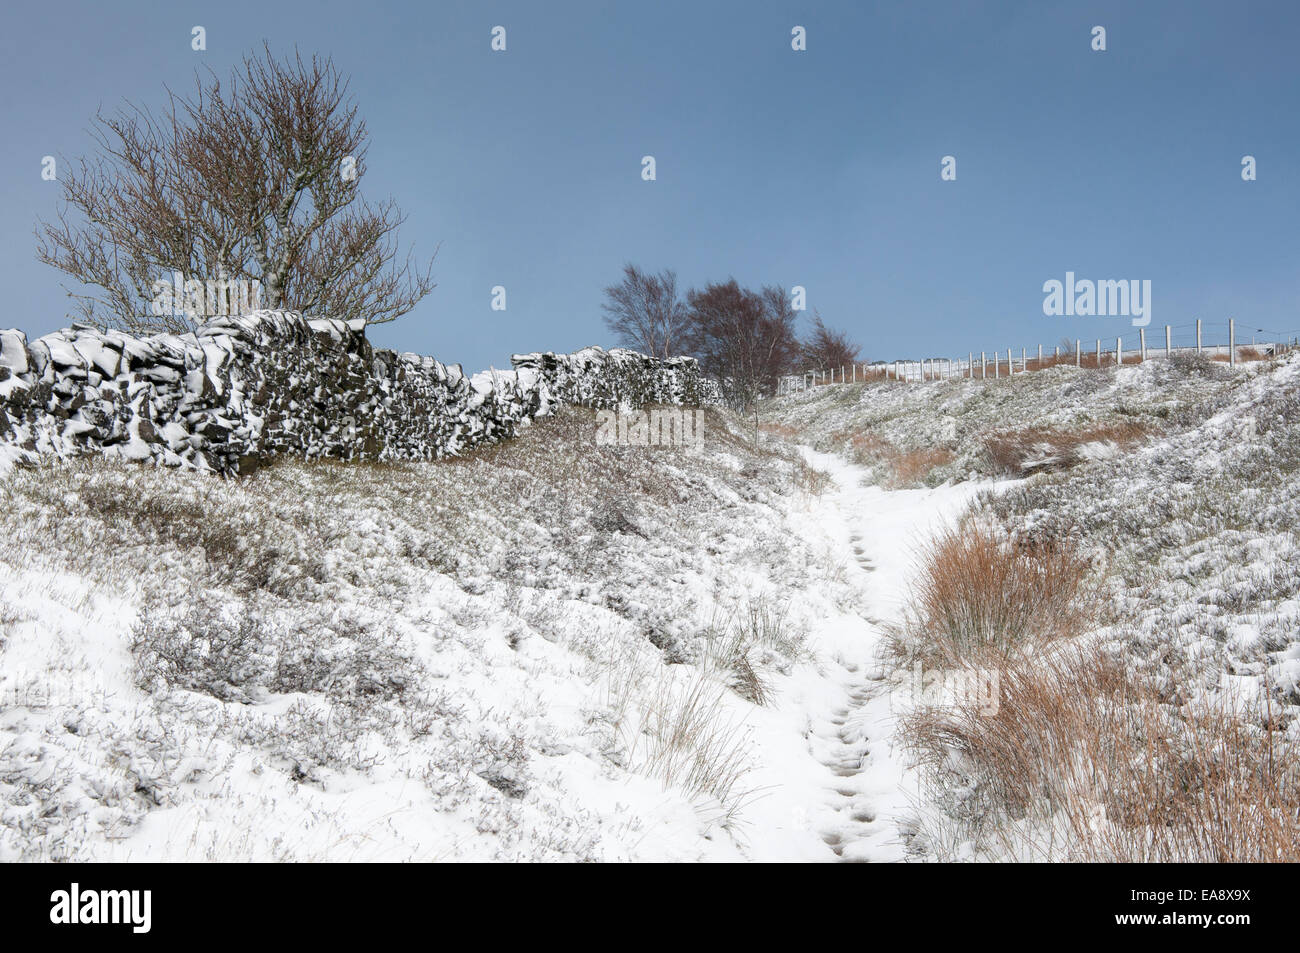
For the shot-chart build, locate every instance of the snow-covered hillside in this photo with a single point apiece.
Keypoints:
(554, 650)
(1179, 485)
(547, 650)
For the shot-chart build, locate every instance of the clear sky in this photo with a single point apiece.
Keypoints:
(818, 168)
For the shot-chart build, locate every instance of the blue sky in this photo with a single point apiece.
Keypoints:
(816, 168)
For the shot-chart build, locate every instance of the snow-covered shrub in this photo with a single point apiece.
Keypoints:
(392, 660)
(1189, 364)
(243, 652)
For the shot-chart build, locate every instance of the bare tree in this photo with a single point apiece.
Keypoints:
(745, 339)
(645, 312)
(824, 348)
(256, 181)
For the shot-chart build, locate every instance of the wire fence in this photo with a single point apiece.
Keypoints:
(1227, 342)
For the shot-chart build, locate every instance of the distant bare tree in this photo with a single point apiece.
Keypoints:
(254, 181)
(824, 349)
(743, 338)
(645, 312)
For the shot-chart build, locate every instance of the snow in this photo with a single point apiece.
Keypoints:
(519, 617)
(857, 795)
(536, 677)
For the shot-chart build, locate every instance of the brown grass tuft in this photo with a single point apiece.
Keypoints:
(1083, 762)
(979, 592)
(1243, 354)
(1035, 449)
(785, 431)
(912, 466)
(907, 468)
(1081, 759)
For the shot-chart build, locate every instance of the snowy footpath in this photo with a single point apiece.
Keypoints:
(832, 784)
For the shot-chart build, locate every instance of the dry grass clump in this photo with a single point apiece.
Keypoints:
(678, 730)
(9, 617)
(980, 592)
(906, 468)
(912, 466)
(689, 740)
(1080, 758)
(1081, 761)
(810, 479)
(1244, 354)
(752, 639)
(784, 431)
(866, 446)
(1036, 449)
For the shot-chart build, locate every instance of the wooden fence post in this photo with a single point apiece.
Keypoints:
(1169, 340)
(1119, 352)
(1078, 353)
(1142, 343)
(1198, 336)
(1098, 353)
(1232, 341)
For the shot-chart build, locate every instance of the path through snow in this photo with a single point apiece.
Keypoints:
(839, 788)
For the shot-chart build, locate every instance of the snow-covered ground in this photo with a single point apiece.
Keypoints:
(1179, 482)
(553, 650)
(861, 800)
(547, 650)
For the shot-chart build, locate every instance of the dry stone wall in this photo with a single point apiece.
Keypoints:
(242, 389)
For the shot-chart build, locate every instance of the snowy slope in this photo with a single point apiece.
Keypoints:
(544, 651)
(550, 650)
(1190, 523)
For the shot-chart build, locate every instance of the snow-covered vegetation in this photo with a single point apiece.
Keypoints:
(1138, 592)
(554, 649)
(546, 650)
(960, 429)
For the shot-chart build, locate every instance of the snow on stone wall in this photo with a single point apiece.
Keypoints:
(244, 388)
